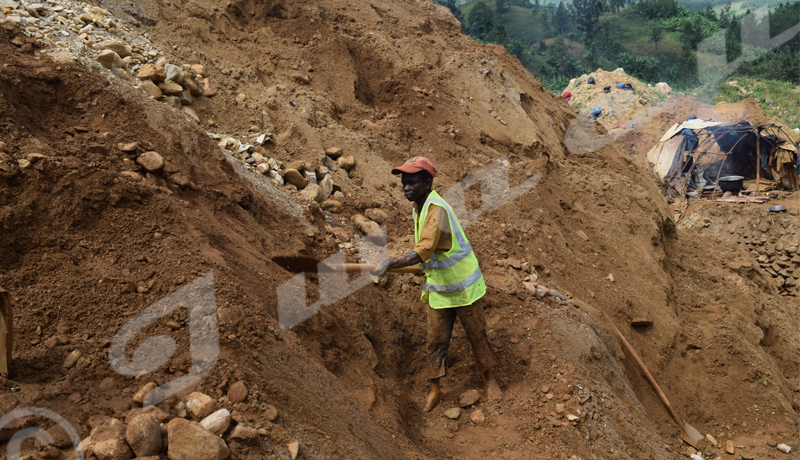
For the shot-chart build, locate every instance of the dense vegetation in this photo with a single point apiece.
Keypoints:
(653, 40)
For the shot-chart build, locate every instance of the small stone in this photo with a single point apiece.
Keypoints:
(297, 165)
(572, 418)
(112, 449)
(469, 398)
(332, 206)
(143, 435)
(151, 161)
(170, 88)
(199, 69)
(541, 291)
(200, 405)
(174, 73)
(546, 389)
(207, 90)
(784, 448)
(151, 89)
(347, 163)
(302, 79)
(772, 443)
(109, 59)
(243, 433)
(72, 359)
(582, 235)
(711, 440)
(453, 413)
(610, 277)
(294, 177)
(514, 263)
(190, 441)
(194, 90)
(729, 447)
(218, 422)
(23, 163)
(274, 175)
(172, 101)
(334, 152)
(312, 192)
(746, 455)
(190, 113)
(560, 408)
(477, 416)
(118, 47)
(237, 392)
(108, 384)
(138, 398)
(132, 176)
(270, 413)
(327, 187)
(294, 449)
(376, 215)
(129, 147)
(186, 98)
(151, 72)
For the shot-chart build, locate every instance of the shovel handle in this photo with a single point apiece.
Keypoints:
(358, 268)
(647, 374)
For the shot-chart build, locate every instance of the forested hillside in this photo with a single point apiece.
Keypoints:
(653, 40)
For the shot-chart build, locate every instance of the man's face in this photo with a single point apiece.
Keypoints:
(414, 186)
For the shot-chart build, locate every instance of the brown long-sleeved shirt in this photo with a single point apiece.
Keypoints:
(434, 236)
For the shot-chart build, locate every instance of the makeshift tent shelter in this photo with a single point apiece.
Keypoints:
(716, 149)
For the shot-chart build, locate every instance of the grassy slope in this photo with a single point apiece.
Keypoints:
(785, 97)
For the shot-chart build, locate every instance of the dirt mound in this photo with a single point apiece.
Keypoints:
(621, 107)
(85, 248)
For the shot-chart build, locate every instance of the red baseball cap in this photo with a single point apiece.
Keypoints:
(415, 165)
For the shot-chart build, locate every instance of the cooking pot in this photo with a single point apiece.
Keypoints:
(731, 183)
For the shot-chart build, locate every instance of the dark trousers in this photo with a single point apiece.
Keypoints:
(440, 330)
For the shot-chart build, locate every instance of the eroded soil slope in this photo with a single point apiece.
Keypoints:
(84, 249)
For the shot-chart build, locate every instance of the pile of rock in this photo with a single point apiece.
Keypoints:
(175, 86)
(778, 257)
(91, 33)
(313, 182)
(198, 429)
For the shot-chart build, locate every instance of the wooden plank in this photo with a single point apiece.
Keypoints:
(6, 318)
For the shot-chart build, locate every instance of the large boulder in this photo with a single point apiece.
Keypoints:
(190, 441)
(144, 435)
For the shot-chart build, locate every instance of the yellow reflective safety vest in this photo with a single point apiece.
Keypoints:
(452, 278)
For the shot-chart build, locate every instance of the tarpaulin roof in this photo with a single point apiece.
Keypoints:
(693, 125)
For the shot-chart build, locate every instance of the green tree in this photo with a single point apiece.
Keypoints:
(480, 21)
(655, 34)
(561, 18)
(586, 14)
(451, 4)
(501, 6)
(497, 35)
(709, 12)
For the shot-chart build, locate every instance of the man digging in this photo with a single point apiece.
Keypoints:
(453, 284)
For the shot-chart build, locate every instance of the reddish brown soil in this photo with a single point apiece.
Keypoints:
(350, 381)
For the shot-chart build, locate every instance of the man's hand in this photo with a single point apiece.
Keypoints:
(383, 265)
